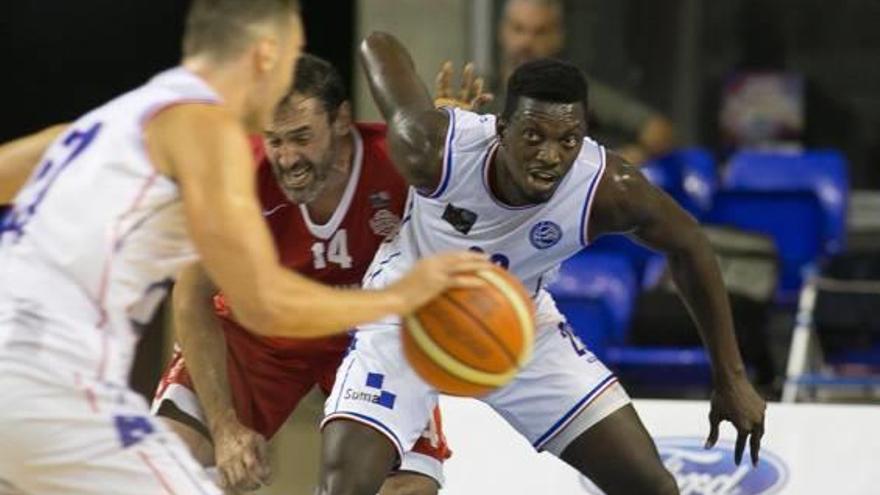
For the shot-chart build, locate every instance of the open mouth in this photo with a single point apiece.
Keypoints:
(543, 179)
(298, 177)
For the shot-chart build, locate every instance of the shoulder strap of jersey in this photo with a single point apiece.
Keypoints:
(467, 140)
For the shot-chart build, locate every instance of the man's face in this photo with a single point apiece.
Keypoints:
(540, 143)
(302, 146)
(529, 31)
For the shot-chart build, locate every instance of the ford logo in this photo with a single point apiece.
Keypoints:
(712, 472)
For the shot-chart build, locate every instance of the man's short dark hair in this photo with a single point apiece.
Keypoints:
(317, 78)
(545, 79)
(222, 27)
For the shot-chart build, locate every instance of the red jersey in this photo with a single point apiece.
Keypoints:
(340, 251)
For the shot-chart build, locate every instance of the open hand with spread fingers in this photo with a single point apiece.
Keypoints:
(470, 95)
(738, 402)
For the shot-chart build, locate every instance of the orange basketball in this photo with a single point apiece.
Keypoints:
(472, 341)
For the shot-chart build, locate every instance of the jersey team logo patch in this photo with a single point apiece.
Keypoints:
(384, 223)
(545, 234)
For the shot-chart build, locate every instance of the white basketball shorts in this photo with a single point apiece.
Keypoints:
(559, 394)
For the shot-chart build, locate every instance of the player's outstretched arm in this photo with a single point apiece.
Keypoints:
(19, 157)
(416, 130)
(627, 203)
(241, 454)
(205, 150)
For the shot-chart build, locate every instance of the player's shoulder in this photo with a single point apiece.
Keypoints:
(376, 160)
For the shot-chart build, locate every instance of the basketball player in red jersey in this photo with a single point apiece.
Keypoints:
(330, 196)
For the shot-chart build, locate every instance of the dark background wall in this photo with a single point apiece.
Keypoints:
(59, 58)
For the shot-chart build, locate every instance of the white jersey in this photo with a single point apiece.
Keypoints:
(462, 213)
(94, 239)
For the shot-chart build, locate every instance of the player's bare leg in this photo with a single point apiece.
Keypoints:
(355, 459)
(618, 455)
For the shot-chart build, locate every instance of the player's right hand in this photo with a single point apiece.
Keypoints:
(429, 277)
(242, 457)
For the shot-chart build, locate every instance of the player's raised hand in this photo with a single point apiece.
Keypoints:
(242, 457)
(431, 276)
(470, 95)
(738, 402)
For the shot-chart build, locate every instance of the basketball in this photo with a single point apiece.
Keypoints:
(469, 342)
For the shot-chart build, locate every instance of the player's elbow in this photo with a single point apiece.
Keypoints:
(376, 40)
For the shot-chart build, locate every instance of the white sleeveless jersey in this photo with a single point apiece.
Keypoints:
(95, 238)
(462, 213)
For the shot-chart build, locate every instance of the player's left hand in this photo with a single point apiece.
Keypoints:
(735, 400)
(470, 97)
(242, 459)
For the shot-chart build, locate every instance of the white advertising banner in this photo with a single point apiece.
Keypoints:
(807, 449)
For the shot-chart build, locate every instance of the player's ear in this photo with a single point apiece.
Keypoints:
(267, 54)
(342, 123)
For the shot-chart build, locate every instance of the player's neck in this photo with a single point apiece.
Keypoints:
(325, 205)
(227, 81)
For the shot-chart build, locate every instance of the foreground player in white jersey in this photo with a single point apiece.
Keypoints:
(100, 231)
(531, 190)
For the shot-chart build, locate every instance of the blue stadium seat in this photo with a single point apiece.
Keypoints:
(639, 257)
(825, 172)
(688, 175)
(795, 221)
(596, 290)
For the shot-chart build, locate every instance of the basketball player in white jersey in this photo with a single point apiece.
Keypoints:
(530, 189)
(102, 227)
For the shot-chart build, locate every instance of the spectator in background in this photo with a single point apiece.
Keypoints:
(534, 28)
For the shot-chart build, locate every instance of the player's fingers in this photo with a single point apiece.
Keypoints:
(755, 443)
(714, 422)
(443, 83)
(469, 267)
(265, 467)
(477, 86)
(467, 81)
(252, 468)
(483, 100)
(741, 436)
(455, 261)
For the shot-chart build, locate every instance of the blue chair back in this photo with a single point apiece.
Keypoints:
(825, 172)
(597, 292)
(794, 220)
(688, 175)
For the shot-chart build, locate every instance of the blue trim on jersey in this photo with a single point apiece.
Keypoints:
(571, 412)
(447, 162)
(585, 241)
(370, 422)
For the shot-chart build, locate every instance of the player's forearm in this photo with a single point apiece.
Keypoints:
(314, 310)
(18, 158)
(698, 277)
(203, 343)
